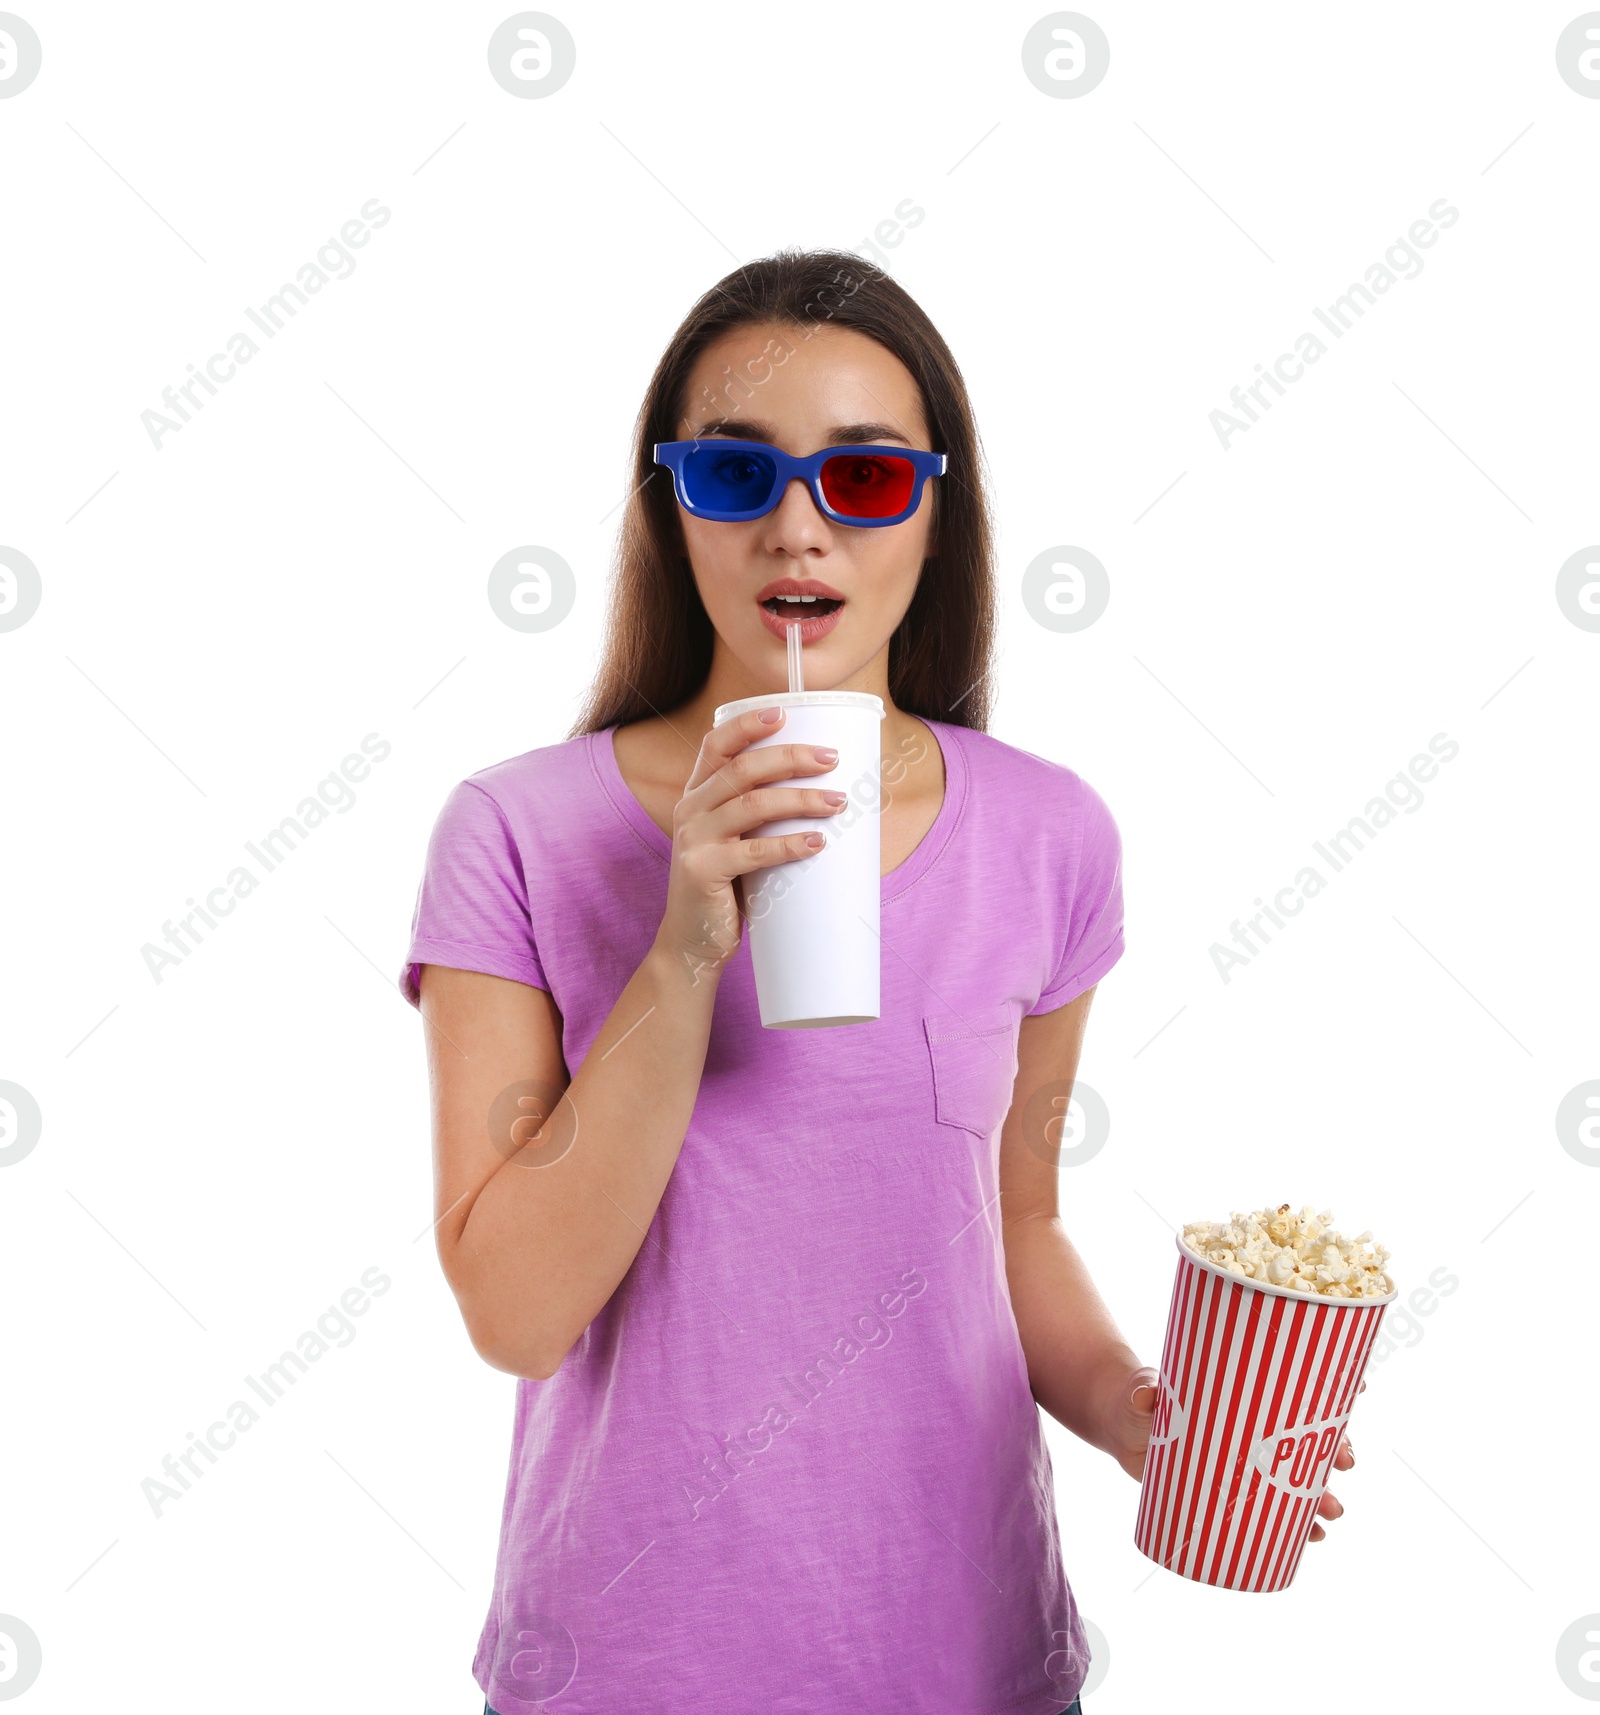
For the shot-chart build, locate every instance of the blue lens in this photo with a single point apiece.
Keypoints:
(728, 479)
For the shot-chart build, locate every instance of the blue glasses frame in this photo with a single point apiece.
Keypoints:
(675, 454)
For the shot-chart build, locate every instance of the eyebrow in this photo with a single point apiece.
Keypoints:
(842, 435)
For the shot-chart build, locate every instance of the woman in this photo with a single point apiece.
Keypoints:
(781, 1301)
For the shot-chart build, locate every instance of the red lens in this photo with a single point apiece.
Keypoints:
(868, 485)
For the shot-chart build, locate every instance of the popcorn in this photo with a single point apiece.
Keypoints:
(1301, 1253)
(1279, 1268)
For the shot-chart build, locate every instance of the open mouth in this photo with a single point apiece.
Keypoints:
(801, 607)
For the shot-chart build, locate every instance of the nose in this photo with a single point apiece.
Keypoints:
(795, 524)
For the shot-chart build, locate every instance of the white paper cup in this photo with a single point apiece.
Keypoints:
(813, 921)
(1257, 1384)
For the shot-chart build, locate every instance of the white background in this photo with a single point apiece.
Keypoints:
(1291, 619)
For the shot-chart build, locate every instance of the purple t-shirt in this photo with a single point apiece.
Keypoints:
(794, 1466)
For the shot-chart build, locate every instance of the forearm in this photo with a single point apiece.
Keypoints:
(553, 1232)
(1077, 1357)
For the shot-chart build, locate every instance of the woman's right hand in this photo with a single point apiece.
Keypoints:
(726, 795)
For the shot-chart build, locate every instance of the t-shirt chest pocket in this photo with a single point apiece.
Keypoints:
(974, 1067)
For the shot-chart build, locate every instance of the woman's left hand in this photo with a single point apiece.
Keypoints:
(1128, 1424)
(1328, 1507)
(1128, 1437)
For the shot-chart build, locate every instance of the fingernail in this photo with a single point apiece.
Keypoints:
(824, 753)
(768, 716)
(833, 797)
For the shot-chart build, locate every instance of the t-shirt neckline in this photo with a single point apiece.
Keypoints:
(603, 760)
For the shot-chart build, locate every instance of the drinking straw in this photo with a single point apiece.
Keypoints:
(796, 672)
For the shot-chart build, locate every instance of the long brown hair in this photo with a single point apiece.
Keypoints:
(658, 635)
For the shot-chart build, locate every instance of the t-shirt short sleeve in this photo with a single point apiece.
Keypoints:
(1094, 918)
(472, 905)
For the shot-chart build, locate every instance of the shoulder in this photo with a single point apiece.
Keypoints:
(501, 813)
(1041, 789)
(536, 776)
(544, 766)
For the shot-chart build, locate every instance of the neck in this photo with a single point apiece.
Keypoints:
(730, 680)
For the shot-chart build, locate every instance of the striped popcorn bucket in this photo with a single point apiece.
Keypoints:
(1257, 1384)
